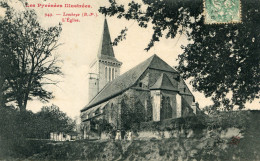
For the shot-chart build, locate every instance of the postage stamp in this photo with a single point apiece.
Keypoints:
(222, 11)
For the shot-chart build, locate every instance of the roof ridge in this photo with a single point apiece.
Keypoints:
(158, 63)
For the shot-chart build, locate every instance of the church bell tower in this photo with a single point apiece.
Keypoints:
(105, 67)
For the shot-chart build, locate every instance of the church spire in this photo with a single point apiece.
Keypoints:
(105, 68)
(106, 50)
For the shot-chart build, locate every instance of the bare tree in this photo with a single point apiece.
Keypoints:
(27, 50)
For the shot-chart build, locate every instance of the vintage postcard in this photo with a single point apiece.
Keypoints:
(129, 80)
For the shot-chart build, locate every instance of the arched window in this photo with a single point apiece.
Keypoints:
(106, 73)
(113, 74)
(166, 110)
(162, 110)
(109, 74)
(111, 113)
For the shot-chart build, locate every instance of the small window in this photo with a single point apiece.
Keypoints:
(140, 84)
(184, 89)
(106, 73)
(113, 74)
(109, 74)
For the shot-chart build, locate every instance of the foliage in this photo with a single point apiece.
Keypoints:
(191, 122)
(4, 97)
(207, 144)
(198, 122)
(104, 125)
(98, 126)
(27, 59)
(16, 125)
(210, 110)
(16, 129)
(51, 119)
(133, 113)
(222, 59)
(8, 123)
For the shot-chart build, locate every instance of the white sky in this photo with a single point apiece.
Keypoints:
(80, 45)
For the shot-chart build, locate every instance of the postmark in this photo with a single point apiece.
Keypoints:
(222, 11)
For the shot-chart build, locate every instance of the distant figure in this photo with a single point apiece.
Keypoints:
(118, 135)
(126, 135)
(112, 135)
(129, 136)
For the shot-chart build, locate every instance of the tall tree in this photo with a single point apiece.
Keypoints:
(222, 59)
(52, 119)
(28, 52)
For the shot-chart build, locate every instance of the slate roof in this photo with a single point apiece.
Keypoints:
(182, 85)
(185, 104)
(127, 80)
(106, 51)
(163, 82)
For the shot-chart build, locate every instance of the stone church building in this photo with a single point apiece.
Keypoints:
(153, 87)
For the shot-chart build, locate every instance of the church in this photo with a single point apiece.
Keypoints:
(153, 88)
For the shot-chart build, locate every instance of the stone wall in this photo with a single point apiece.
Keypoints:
(224, 125)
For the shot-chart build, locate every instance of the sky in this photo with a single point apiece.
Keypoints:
(80, 46)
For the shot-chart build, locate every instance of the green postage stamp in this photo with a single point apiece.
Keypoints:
(222, 11)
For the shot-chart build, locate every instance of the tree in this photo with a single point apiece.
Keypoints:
(51, 119)
(132, 114)
(209, 110)
(222, 60)
(3, 89)
(28, 52)
(8, 124)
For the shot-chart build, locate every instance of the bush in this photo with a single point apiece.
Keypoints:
(12, 131)
(191, 122)
(17, 127)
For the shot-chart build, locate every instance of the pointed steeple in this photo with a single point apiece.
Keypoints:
(105, 49)
(164, 82)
